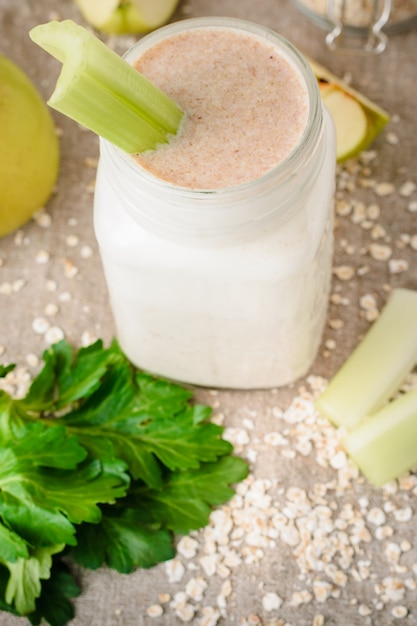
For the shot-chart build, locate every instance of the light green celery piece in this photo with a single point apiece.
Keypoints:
(384, 445)
(104, 93)
(378, 365)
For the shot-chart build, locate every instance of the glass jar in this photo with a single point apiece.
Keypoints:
(366, 23)
(228, 287)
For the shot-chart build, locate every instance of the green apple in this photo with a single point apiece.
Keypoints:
(126, 16)
(29, 155)
(357, 119)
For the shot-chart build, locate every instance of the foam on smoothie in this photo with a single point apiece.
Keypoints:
(246, 107)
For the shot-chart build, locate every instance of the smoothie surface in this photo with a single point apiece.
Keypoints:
(246, 107)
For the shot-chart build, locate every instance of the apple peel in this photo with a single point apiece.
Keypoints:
(101, 91)
(126, 16)
(357, 119)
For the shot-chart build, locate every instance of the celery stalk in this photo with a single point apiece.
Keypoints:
(384, 445)
(378, 365)
(101, 91)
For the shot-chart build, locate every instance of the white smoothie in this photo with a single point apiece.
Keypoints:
(246, 107)
(227, 288)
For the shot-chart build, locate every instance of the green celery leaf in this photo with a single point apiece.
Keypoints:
(44, 486)
(53, 604)
(124, 540)
(185, 502)
(159, 398)
(24, 584)
(5, 369)
(180, 443)
(35, 523)
(65, 377)
(148, 421)
(4, 579)
(12, 546)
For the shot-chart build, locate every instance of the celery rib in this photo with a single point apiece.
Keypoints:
(378, 365)
(101, 91)
(384, 445)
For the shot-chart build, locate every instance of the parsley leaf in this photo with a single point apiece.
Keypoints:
(103, 463)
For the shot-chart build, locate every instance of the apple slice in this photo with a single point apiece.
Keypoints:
(358, 120)
(350, 121)
(126, 16)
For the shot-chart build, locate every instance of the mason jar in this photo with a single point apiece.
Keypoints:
(226, 288)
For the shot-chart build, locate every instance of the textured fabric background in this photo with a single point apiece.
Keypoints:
(308, 541)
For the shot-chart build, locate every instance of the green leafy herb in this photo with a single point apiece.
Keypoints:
(102, 463)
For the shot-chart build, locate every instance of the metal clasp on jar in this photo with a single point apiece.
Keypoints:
(352, 18)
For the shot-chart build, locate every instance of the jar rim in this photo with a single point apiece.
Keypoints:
(293, 161)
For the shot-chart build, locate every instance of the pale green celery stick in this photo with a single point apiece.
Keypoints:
(384, 445)
(101, 91)
(378, 365)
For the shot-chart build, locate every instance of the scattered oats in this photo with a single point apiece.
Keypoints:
(384, 189)
(236, 436)
(330, 344)
(407, 189)
(42, 257)
(54, 334)
(209, 563)
(364, 269)
(405, 546)
(378, 232)
(338, 460)
(271, 601)
(6, 289)
(17, 285)
(210, 616)
(318, 620)
(72, 241)
(392, 138)
(367, 301)
(336, 324)
(290, 535)
(359, 212)
(91, 162)
(322, 590)
(70, 270)
(174, 570)
(226, 588)
(86, 252)
(164, 598)
(51, 286)
(275, 439)
(399, 611)
(300, 597)
(185, 612)
(343, 208)
(403, 515)
(91, 185)
(32, 360)
(155, 610)
(51, 309)
(364, 610)
(344, 272)
(65, 296)
(195, 588)
(376, 516)
(380, 252)
(371, 315)
(392, 552)
(40, 325)
(396, 266)
(394, 588)
(413, 242)
(187, 547)
(42, 218)
(412, 206)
